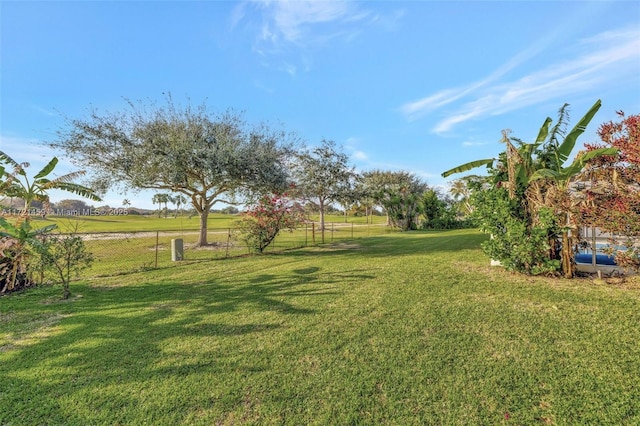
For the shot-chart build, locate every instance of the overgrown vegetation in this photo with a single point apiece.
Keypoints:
(529, 206)
(18, 253)
(26, 250)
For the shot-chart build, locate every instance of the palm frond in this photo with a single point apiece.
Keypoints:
(544, 131)
(559, 129)
(5, 158)
(18, 168)
(47, 169)
(569, 142)
(544, 174)
(578, 164)
(74, 188)
(11, 188)
(70, 177)
(468, 166)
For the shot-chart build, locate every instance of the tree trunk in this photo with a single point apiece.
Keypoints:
(568, 265)
(321, 206)
(202, 238)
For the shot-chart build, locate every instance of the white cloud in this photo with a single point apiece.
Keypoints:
(470, 143)
(287, 26)
(290, 21)
(606, 59)
(260, 85)
(351, 145)
(359, 155)
(26, 150)
(44, 111)
(416, 109)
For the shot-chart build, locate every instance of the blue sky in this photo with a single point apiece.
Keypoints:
(420, 86)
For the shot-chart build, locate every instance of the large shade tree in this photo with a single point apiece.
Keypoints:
(208, 157)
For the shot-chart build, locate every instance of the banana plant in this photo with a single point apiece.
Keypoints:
(19, 185)
(539, 168)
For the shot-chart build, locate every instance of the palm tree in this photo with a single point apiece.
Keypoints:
(178, 200)
(161, 199)
(18, 184)
(461, 191)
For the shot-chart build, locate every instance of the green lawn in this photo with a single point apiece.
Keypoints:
(136, 223)
(405, 328)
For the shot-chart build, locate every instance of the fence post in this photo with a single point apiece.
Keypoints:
(228, 241)
(313, 233)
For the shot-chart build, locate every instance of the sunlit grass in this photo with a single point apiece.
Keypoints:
(405, 328)
(136, 223)
(124, 252)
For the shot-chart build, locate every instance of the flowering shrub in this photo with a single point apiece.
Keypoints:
(262, 222)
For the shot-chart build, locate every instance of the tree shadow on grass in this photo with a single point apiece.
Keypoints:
(114, 339)
(398, 244)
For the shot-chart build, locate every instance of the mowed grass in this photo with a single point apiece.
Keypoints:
(137, 223)
(406, 328)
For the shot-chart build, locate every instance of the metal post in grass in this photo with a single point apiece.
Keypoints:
(306, 229)
(228, 242)
(594, 246)
(313, 233)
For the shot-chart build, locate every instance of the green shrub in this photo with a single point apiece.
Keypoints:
(518, 242)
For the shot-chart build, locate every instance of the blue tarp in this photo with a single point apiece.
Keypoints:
(601, 259)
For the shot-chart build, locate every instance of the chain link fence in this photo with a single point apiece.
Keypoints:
(125, 252)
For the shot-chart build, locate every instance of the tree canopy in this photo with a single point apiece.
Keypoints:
(208, 157)
(324, 176)
(399, 193)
